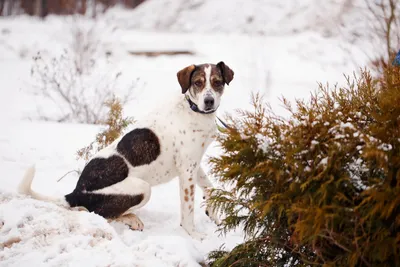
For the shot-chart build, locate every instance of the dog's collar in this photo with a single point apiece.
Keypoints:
(195, 108)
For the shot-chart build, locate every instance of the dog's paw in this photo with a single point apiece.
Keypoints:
(79, 208)
(194, 234)
(198, 236)
(132, 221)
(213, 215)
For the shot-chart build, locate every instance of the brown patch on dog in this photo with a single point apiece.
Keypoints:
(184, 76)
(202, 145)
(192, 190)
(140, 147)
(198, 79)
(186, 191)
(217, 79)
(190, 179)
(227, 73)
(186, 198)
(112, 169)
(107, 206)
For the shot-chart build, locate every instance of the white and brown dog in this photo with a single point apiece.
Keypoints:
(169, 143)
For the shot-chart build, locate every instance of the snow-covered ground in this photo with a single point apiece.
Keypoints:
(287, 62)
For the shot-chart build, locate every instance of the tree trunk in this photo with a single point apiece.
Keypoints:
(94, 8)
(10, 6)
(82, 8)
(45, 8)
(1, 7)
(37, 8)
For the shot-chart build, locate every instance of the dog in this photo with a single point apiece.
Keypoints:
(168, 143)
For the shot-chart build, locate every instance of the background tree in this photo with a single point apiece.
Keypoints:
(42, 8)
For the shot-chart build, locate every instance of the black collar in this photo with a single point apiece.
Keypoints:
(195, 108)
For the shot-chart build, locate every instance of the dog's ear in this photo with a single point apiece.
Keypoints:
(184, 76)
(227, 73)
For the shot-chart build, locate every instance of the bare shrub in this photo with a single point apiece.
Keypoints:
(386, 23)
(384, 18)
(77, 83)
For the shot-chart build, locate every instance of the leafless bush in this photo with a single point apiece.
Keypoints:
(76, 84)
(84, 46)
(385, 29)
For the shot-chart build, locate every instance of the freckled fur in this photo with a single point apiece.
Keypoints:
(119, 177)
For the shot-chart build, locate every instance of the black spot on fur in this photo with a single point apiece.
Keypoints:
(207, 213)
(108, 206)
(139, 147)
(102, 172)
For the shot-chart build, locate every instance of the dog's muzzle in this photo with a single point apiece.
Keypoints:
(208, 103)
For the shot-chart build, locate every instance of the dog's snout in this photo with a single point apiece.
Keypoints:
(209, 102)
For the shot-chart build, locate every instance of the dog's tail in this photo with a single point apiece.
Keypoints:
(25, 188)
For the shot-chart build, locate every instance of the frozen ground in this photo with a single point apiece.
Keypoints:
(41, 234)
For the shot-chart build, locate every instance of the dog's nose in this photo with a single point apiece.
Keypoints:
(209, 102)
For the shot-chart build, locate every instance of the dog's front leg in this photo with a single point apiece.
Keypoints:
(205, 184)
(187, 192)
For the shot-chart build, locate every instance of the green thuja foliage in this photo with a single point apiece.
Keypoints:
(321, 187)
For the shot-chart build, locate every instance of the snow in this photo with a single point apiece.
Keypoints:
(268, 17)
(385, 147)
(263, 142)
(287, 59)
(356, 170)
(57, 237)
(323, 161)
(347, 125)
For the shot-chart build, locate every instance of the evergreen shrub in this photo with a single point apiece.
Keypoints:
(321, 187)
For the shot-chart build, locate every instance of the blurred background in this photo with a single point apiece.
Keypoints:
(60, 59)
(42, 8)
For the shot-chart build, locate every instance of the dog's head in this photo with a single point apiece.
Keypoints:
(205, 84)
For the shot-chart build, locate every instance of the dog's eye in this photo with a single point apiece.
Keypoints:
(217, 83)
(198, 83)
